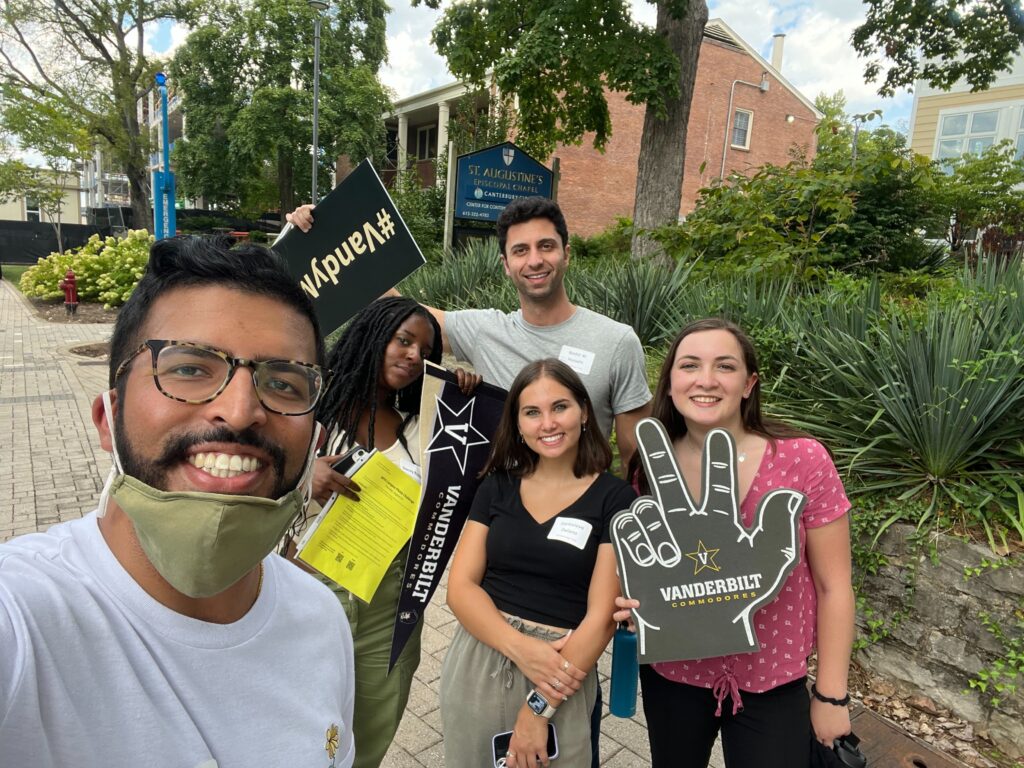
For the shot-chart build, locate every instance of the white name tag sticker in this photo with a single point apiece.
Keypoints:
(571, 530)
(580, 360)
(411, 470)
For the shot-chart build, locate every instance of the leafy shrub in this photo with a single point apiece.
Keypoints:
(930, 411)
(422, 209)
(469, 277)
(644, 295)
(204, 224)
(612, 244)
(781, 218)
(106, 269)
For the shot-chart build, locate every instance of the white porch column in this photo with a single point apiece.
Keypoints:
(403, 142)
(442, 136)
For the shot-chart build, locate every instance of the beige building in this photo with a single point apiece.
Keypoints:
(28, 208)
(945, 125)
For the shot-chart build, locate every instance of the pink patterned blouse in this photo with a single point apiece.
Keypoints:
(785, 627)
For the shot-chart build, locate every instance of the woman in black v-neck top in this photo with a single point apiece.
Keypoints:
(532, 580)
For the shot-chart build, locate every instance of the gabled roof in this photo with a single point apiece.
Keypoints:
(720, 32)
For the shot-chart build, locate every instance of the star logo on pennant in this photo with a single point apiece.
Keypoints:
(703, 558)
(454, 431)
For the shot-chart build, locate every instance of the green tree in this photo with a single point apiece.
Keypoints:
(246, 82)
(88, 55)
(558, 58)
(779, 219)
(982, 191)
(894, 191)
(474, 127)
(939, 41)
(54, 132)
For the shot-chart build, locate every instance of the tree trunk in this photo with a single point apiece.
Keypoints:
(60, 240)
(659, 182)
(131, 151)
(138, 190)
(285, 183)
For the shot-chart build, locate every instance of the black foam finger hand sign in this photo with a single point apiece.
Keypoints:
(698, 572)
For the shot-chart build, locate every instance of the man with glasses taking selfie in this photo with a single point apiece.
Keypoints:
(159, 630)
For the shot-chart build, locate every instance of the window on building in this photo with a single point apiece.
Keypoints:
(1020, 137)
(966, 133)
(32, 209)
(742, 121)
(426, 143)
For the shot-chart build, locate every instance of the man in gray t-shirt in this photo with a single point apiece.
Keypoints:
(534, 243)
(607, 355)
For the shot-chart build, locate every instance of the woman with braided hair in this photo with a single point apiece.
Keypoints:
(374, 401)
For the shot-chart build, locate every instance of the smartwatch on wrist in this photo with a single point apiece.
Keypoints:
(539, 705)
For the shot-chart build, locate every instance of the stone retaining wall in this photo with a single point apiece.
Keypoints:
(940, 643)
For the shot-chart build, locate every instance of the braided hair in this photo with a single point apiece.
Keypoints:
(356, 361)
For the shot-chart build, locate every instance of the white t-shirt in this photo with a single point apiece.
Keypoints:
(95, 672)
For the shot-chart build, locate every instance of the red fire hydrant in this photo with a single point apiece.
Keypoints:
(70, 287)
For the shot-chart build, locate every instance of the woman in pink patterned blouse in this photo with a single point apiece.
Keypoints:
(709, 379)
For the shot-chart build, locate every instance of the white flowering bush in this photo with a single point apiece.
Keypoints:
(106, 269)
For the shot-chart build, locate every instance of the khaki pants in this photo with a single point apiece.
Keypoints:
(482, 692)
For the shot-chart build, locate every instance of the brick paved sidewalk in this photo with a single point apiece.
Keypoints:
(53, 470)
(53, 467)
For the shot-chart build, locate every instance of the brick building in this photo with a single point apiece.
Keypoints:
(744, 114)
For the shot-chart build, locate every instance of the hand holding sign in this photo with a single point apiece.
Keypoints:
(698, 573)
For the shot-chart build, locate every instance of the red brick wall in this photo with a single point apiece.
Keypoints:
(595, 188)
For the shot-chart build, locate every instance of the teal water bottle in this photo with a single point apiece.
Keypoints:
(625, 673)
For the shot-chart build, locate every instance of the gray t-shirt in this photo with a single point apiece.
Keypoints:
(606, 354)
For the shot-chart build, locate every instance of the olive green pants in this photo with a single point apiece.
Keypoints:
(482, 692)
(380, 698)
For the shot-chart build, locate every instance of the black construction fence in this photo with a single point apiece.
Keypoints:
(25, 242)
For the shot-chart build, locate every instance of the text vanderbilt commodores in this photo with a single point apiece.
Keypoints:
(727, 586)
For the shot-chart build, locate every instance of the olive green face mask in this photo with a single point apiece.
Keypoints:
(202, 543)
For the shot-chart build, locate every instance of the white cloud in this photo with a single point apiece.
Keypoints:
(413, 64)
(162, 38)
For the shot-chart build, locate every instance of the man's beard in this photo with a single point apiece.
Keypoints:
(154, 473)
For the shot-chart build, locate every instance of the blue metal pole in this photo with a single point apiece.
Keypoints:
(165, 220)
(172, 224)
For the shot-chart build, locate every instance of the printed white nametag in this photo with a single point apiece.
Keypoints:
(580, 360)
(572, 531)
(411, 470)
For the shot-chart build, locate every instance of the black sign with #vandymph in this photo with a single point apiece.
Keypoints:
(358, 248)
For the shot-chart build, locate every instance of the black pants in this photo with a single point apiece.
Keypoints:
(771, 731)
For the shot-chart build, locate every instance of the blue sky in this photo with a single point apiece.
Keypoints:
(818, 56)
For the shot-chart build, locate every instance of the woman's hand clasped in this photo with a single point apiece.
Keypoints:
(554, 676)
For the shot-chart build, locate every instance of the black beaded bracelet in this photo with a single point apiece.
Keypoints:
(827, 699)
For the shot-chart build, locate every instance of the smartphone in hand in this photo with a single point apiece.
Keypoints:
(353, 459)
(500, 742)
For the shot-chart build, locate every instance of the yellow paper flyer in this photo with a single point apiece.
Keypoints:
(354, 541)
